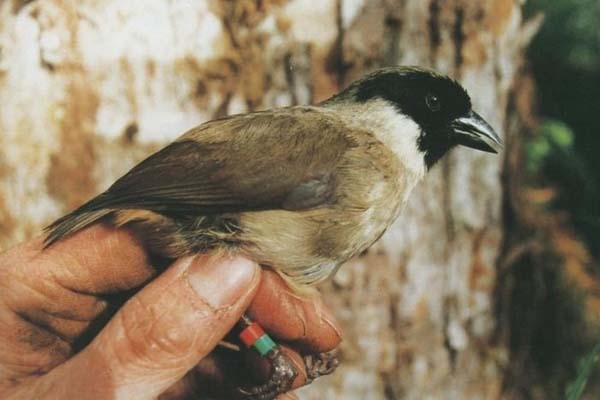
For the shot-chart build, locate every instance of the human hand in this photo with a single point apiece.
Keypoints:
(66, 332)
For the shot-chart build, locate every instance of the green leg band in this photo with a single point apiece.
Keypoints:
(264, 344)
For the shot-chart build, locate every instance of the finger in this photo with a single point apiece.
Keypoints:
(290, 317)
(56, 289)
(96, 260)
(163, 331)
(285, 315)
(287, 396)
(43, 315)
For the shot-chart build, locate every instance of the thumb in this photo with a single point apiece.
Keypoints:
(164, 330)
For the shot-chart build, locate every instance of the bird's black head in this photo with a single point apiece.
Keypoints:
(439, 105)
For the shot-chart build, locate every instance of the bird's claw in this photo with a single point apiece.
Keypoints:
(282, 376)
(320, 364)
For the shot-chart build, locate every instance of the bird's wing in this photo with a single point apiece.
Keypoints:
(276, 159)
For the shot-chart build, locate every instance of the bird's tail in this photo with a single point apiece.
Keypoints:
(72, 223)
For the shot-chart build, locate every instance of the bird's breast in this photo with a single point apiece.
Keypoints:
(386, 204)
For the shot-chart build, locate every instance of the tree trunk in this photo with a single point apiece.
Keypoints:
(88, 88)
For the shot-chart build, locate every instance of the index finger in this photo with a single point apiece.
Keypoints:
(96, 260)
(303, 320)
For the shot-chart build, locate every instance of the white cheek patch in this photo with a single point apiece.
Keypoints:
(397, 131)
(401, 134)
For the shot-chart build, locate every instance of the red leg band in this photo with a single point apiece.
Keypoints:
(251, 334)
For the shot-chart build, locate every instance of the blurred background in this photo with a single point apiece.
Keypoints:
(487, 287)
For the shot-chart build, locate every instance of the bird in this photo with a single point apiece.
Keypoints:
(299, 189)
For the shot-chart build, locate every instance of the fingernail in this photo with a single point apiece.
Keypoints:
(330, 320)
(223, 281)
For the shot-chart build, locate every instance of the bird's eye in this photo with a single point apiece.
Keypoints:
(433, 102)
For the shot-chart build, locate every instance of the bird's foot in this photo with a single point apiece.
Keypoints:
(282, 376)
(321, 364)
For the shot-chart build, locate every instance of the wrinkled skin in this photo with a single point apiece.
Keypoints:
(90, 317)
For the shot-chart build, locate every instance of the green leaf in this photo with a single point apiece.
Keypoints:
(536, 152)
(586, 365)
(558, 133)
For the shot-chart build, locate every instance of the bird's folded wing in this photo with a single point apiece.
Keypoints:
(268, 160)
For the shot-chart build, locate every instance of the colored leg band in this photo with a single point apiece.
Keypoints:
(264, 344)
(254, 336)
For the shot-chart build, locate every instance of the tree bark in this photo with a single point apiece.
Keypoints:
(89, 88)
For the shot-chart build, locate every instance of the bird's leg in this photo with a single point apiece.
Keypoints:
(283, 372)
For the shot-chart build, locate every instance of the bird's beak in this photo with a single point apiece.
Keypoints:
(472, 131)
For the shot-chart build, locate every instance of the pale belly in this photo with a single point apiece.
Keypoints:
(307, 247)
